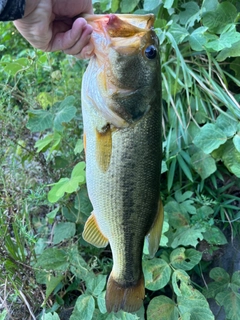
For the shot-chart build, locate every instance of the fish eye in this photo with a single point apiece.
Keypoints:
(151, 52)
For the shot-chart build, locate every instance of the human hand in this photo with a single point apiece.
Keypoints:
(51, 25)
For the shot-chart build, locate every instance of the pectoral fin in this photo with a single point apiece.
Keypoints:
(104, 148)
(154, 235)
(93, 234)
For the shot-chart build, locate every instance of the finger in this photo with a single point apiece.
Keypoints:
(86, 52)
(66, 40)
(83, 41)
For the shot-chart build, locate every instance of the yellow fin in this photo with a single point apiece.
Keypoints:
(128, 298)
(104, 148)
(154, 235)
(92, 233)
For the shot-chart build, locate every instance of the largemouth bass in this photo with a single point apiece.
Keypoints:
(121, 105)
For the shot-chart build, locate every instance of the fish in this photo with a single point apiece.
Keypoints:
(121, 108)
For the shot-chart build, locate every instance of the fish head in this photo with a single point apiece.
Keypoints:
(126, 57)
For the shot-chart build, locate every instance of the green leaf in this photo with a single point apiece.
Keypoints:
(157, 273)
(53, 259)
(185, 168)
(187, 236)
(63, 231)
(217, 20)
(192, 302)
(101, 302)
(168, 3)
(78, 265)
(51, 215)
(79, 147)
(163, 306)
(214, 236)
(15, 66)
(43, 143)
(150, 5)
(84, 308)
(226, 40)
(121, 315)
(65, 113)
(178, 277)
(190, 14)
(179, 33)
(96, 284)
(231, 303)
(52, 283)
(181, 197)
(197, 39)
(203, 164)
(78, 172)
(68, 185)
(231, 158)
(39, 120)
(4, 313)
(45, 99)
(128, 6)
(114, 5)
(236, 141)
(219, 275)
(185, 259)
(209, 138)
(233, 51)
(228, 125)
(50, 316)
(57, 190)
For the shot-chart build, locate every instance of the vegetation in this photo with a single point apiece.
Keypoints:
(47, 271)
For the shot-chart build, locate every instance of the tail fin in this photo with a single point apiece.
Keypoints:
(127, 298)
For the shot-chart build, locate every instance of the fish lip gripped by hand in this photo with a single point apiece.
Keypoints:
(121, 105)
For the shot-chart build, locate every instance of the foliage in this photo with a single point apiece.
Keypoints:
(44, 204)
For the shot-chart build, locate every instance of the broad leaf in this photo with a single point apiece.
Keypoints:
(63, 231)
(39, 120)
(163, 306)
(53, 259)
(52, 283)
(197, 39)
(157, 273)
(128, 6)
(187, 236)
(209, 138)
(203, 164)
(84, 308)
(150, 5)
(191, 301)
(96, 284)
(65, 113)
(185, 259)
(231, 302)
(217, 20)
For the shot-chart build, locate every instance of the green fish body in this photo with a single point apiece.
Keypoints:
(121, 105)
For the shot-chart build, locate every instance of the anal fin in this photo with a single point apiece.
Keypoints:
(154, 235)
(93, 234)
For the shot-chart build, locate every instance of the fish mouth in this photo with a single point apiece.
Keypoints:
(123, 32)
(121, 25)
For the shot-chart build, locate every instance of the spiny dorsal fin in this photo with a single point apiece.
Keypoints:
(154, 235)
(124, 298)
(93, 234)
(104, 148)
